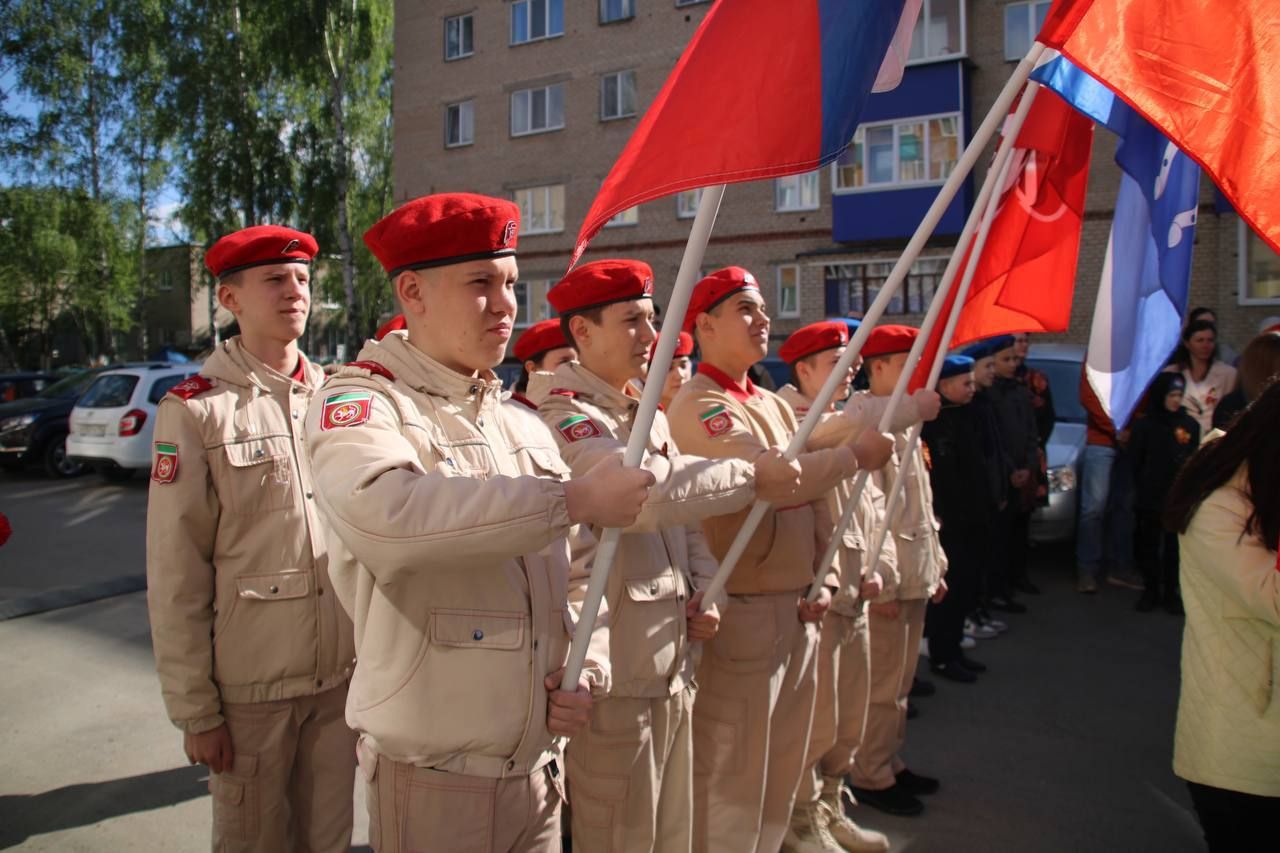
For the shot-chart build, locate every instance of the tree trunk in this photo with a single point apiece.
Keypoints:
(342, 181)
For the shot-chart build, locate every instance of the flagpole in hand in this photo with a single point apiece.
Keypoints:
(659, 365)
(990, 125)
(984, 209)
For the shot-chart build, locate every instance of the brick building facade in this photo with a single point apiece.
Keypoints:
(533, 100)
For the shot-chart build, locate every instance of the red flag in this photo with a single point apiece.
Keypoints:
(1026, 276)
(1205, 72)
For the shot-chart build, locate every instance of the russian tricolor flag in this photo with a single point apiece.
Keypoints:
(765, 88)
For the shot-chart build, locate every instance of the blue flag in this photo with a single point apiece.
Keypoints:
(1146, 277)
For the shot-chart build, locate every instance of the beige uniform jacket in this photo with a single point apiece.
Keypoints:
(237, 585)
(713, 418)
(833, 430)
(451, 549)
(921, 562)
(663, 558)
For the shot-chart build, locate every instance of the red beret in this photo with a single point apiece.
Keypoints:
(684, 346)
(601, 283)
(1272, 329)
(887, 340)
(814, 338)
(444, 229)
(395, 324)
(716, 288)
(259, 246)
(539, 338)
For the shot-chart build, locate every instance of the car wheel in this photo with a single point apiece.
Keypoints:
(56, 463)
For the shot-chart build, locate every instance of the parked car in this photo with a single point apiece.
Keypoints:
(19, 386)
(33, 431)
(1062, 364)
(113, 421)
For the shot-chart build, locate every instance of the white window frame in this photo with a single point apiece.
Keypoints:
(628, 11)
(814, 177)
(925, 13)
(468, 107)
(535, 296)
(614, 79)
(625, 218)
(529, 94)
(458, 19)
(527, 227)
(680, 3)
(527, 5)
(1028, 10)
(1242, 268)
(903, 296)
(897, 184)
(685, 209)
(780, 302)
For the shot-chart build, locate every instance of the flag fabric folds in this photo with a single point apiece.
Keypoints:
(1206, 73)
(1025, 277)
(763, 89)
(1146, 275)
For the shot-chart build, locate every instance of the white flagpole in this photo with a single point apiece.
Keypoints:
(659, 365)
(971, 268)
(988, 198)
(990, 125)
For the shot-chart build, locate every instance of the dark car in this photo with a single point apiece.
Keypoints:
(19, 386)
(33, 431)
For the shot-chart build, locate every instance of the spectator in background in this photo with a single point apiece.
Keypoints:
(1042, 406)
(1208, 377)
(1105, 536)
(1226, 506)
(1163, 440)
(1259, 362)
(1016, 418)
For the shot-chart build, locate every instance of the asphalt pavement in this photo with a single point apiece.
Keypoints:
(1064, 745)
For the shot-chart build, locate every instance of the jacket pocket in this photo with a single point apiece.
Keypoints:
(746, 639)
(543, 462)
(256, 475)
(269, 631)
(472, 629)
(645, 637)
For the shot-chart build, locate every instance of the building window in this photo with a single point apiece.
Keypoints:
(789, 291)
(541, 209)
(537, 110)
(687, 203)
(691, 2)
(903, 153)
(532, 20)
(630, 216)
(617, 95)
(852, 287)
(1259, 270)
(796, 192)
(458, 37)
(616, 10)
(531, 301)
(459, 124)
(1022, 23)
(164, 283)
(939, 32)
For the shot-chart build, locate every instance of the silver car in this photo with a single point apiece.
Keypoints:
(1061, 363)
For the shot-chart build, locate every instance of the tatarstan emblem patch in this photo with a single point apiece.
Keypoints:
(578, 427)
(716, 421)
(165, 468)
(349, 408)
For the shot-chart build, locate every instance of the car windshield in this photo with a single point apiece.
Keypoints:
(70, 386)
(1064, 382)
(109, 392)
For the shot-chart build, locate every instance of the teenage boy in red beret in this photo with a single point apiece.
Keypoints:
(757, 676)
(252, 648)
(840, 712)
(541, 349)
(880, 778)
(452, 516)
(642, 732)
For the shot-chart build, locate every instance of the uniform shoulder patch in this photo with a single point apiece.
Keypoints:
(374, 368)
(165, 467)
(563, 392)
(345, 409)
(578, 427)
(716, 420)
(188, 388)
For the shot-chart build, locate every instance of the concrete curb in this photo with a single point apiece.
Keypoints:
(56, 599)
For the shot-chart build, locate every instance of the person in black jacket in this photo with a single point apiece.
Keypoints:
(957, 447)
(1161, 442)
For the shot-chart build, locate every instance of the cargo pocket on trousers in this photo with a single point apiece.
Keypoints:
(455, 813)
(235, 799)
(596, 806)
(718, 727)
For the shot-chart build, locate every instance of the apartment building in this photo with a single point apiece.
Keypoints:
(533, 100)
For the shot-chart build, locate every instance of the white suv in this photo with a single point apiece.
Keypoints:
(113, 421)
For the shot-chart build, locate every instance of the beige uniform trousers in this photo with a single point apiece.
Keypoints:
(840, 710)
(751, 724)
(895, 652)
(291, 781)
(631, 776)
(419, 810)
